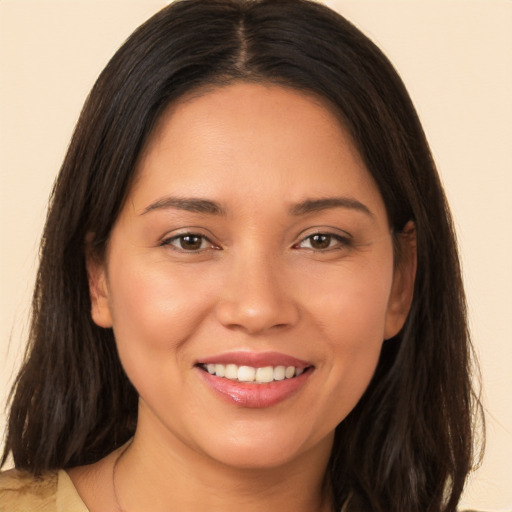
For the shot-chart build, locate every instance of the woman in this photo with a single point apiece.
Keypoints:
(249, 293)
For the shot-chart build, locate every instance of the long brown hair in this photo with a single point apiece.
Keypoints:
(408, 443)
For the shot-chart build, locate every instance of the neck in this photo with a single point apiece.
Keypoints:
(175, 477)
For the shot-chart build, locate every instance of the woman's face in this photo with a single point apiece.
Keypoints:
(253, 244)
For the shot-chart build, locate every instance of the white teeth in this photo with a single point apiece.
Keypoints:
(265, 374)
(249, 374)
(279, 372)
(220, 370)
(231, 371)
(246, 374)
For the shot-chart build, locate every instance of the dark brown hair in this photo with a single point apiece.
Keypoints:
(408, 443)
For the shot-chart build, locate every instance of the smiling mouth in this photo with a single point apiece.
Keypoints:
(253, 375)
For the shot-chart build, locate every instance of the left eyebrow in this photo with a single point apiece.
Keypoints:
(195, 205)
(315, 205)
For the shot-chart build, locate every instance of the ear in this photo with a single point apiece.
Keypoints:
(402, 290)
(98, 291)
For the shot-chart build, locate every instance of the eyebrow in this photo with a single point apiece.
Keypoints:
(195, 205)
(315, 205)
(198, 205)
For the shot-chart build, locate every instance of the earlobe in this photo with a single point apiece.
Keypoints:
(402, 291)
(98, 291)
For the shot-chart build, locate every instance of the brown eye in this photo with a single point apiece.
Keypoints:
(323, 242)
(320, 241)
(188, 242)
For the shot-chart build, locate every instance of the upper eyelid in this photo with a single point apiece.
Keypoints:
(167, 242)
(324, 230)
(180, 235)
(185, 233)
(343, 240)
(188, 230)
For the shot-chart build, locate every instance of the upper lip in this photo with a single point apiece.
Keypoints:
(255, 359)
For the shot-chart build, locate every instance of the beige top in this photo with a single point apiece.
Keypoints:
(52, 492)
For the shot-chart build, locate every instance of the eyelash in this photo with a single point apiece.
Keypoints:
(340, 242)
(181, 238)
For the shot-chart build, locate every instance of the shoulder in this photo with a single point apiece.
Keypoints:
(53, 491)
(19, 490)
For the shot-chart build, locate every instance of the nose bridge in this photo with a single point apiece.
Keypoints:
(255, 296)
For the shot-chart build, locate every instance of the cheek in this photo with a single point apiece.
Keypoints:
(349, 312)
(350, 302)
(154, 313)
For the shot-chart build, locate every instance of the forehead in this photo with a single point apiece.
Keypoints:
(256, 139)
(250, 105)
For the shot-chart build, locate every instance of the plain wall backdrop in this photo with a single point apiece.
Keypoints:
(455, 57)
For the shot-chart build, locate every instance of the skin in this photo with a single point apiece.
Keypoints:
(257, 282)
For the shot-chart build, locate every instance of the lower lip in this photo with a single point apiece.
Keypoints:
(255, 395)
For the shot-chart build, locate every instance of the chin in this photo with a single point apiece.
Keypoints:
(256, 458)
(267, 450)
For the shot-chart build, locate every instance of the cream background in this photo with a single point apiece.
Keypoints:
(455, 57)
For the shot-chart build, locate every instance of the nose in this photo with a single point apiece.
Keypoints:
(256, 297)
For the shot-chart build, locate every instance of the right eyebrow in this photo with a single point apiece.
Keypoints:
(196, 205)
(315, 205)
